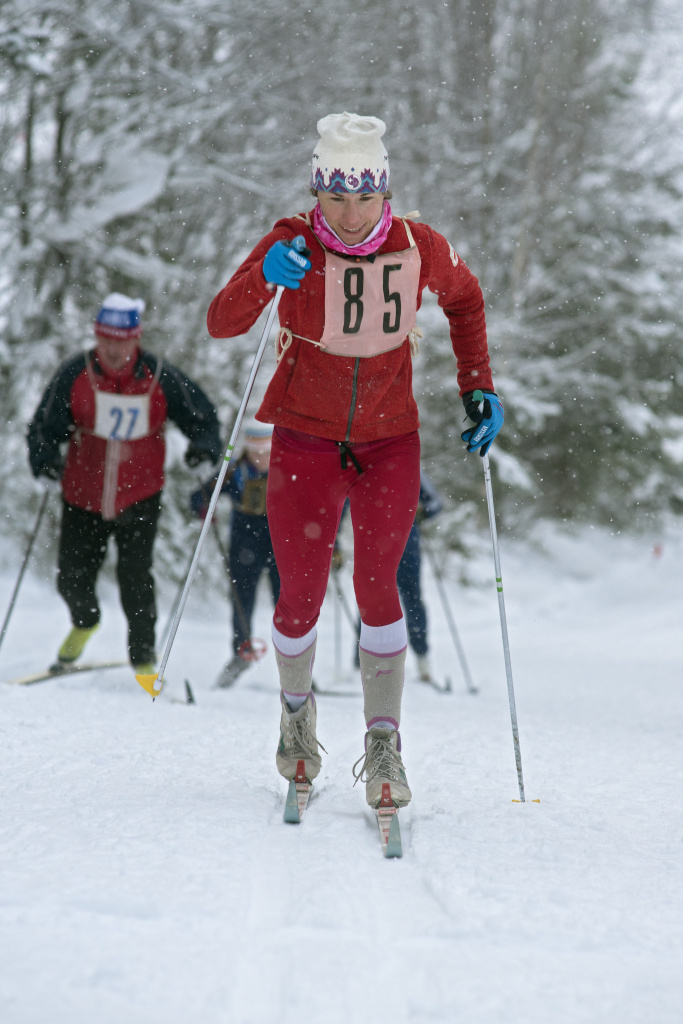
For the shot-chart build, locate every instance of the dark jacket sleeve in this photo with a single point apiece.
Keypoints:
(53, 422)
(189, 408)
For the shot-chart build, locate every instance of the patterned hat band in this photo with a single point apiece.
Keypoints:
(123, 318)
(350, 155)
(117, 333)
(337, 181)
(119, 317)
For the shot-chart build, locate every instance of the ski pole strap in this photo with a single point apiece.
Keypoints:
(345, 452)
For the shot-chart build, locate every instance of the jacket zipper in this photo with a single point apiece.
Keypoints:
(354, 394)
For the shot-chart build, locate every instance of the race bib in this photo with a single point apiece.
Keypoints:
(369, 306)
(121, 417)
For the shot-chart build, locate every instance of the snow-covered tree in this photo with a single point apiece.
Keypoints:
(145, 146)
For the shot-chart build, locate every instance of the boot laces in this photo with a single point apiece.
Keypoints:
(300, 740)
(380, 759)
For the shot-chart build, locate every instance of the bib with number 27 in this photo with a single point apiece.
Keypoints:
(121, 417)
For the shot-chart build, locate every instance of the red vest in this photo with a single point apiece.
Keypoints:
(109, 472)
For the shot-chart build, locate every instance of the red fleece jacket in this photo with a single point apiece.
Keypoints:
(314, 391)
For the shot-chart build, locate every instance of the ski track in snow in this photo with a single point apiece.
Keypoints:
(146, 875)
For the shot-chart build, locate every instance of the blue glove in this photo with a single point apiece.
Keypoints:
(488, 419)
(285, 264)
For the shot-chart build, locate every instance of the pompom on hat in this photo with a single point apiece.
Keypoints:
(350, 156)
(119, 317)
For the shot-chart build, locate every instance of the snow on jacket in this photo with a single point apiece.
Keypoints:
(346, 397)
(115, 422)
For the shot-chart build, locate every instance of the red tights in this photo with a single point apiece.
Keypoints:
(307, 489)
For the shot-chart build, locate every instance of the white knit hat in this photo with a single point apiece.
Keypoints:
(350, 156)
(257, 430)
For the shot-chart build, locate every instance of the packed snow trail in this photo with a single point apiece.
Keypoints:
(146, 874)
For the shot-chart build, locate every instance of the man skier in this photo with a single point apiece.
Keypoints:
(110, 405)
(346, 422)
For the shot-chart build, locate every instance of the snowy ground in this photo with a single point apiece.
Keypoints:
(146, 876)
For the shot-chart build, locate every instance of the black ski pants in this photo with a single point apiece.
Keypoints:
(82, 548)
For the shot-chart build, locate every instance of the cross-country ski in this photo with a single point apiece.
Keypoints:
(298, 794)
(387, 819)
(75, 669)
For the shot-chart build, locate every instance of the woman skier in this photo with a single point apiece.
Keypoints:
(346, 422)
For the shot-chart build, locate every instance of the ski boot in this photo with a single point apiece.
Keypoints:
(381, 763)
(73, 647)
(234, 668)
(298, 741)
(424, 673)
(145, 668)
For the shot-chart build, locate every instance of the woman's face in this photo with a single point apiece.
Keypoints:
(351, 217)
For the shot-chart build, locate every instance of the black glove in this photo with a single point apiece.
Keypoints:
(52, 470)
(193, 456)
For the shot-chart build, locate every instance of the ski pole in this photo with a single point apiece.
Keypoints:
(153, 682)
(455, 636)
(174, 608)
(479, 397)
(27, 555)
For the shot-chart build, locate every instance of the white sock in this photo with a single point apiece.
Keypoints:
(292, 646)
(383, 639)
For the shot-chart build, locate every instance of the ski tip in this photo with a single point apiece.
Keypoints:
(189, 696)
(151, 684)
(292, 816)
(394, 846)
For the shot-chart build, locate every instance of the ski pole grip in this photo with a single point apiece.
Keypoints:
(478, 397)
(299, 245)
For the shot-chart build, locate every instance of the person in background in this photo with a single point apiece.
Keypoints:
(250, 552)
(408, 578)
(346, 422)
(109, 407)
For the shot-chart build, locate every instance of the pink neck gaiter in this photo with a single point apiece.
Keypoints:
(371, 244)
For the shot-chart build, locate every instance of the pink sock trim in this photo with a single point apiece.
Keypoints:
(283, 655)
(392, 655)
